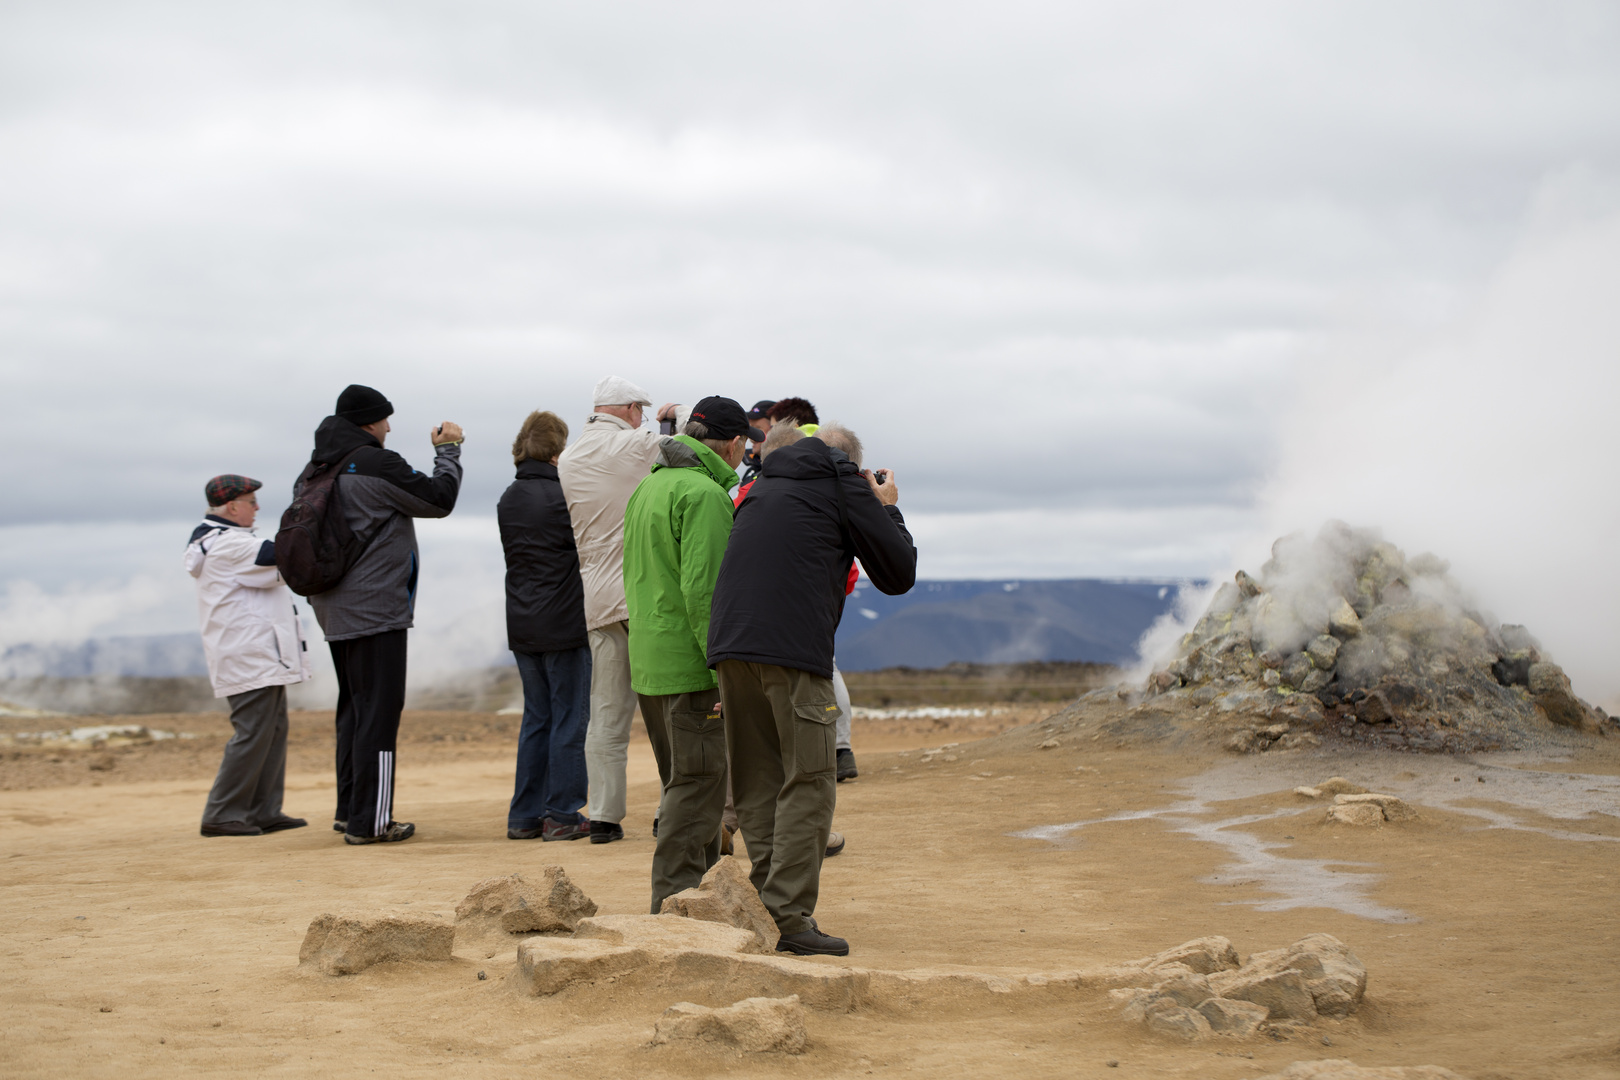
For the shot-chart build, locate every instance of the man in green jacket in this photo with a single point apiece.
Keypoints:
(675, 532)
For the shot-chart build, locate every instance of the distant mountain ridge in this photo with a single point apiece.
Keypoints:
(1000, 622)
(936, 623)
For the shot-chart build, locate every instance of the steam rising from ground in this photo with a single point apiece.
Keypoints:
(1493, 445)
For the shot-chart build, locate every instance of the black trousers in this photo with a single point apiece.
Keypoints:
(371, 695)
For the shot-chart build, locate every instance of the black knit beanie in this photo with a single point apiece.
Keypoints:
(362, 405)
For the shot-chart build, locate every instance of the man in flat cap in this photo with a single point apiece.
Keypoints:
(675, 532)
(598, 472)
(255, 650)
(366, 614)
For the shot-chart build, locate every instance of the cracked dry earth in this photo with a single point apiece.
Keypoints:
(1490, 926)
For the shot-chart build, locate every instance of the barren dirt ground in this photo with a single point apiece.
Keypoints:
(134, 947)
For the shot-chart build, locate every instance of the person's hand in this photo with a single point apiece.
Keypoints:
(667, 412)
(886, 492)
(446, 432)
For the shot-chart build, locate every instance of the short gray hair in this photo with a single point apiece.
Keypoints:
(840, 437)
(696, 429)
(783, 433)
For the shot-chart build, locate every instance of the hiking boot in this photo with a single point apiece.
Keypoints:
(726, 833)
(340, 826)
(396, 831)
(230, 828)
(564, 830)
(835, 844)
(281, 823)
(813, 942)
(605, 832)
(846, 765)
(525, 834)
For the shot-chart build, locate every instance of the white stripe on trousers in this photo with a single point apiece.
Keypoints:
(385, 791)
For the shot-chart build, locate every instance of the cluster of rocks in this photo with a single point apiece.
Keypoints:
(495, 915)
(1355, 805)
(1200, 989)
(1344, 635)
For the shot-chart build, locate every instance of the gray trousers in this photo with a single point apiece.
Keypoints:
(613, 710)
(689, 742)
(254, 769)
(779, 729)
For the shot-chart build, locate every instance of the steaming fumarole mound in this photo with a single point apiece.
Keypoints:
(1347, 636)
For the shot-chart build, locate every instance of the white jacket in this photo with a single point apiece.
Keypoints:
(250, 629)
(598, 471)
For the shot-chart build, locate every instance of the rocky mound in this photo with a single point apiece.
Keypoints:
(1344, 635)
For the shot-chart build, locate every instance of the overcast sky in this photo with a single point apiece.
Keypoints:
(1072, 270)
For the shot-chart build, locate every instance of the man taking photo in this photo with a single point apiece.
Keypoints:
(366, 615)
(775, 610)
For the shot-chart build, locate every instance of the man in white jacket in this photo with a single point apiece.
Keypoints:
(255, 650)
(612, 454)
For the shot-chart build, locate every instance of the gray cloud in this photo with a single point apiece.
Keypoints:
(1073, 260)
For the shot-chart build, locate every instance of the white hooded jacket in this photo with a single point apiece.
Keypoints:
(250, 630)
(598, 471)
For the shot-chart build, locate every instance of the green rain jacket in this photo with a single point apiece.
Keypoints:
(675, 532)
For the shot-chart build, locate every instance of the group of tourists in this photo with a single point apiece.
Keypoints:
(642, 572)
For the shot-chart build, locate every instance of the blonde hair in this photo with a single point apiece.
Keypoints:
(542, 437)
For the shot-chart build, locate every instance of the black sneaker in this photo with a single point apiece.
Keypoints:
(813, 942)
(564, 830)
(525, 834)
(605, 832)
(283, 822)
(655, 828)
(396, 831)
(340, 826)
(230, 828)
(846, 765)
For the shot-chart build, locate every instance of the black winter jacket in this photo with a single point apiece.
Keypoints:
(781, 588)
(545, 597)
(380, 493)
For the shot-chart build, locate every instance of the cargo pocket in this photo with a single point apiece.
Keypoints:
(814, 736)
(699, 738)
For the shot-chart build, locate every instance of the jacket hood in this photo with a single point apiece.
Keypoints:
(685, 452)
(337, 438)
(195, 552)
(530, 469)
(806, 459)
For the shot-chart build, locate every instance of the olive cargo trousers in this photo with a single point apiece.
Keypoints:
(780, 730)
(689, 743)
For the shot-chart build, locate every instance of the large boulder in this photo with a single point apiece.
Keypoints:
(1229, 1016)
(1281, 991)
(1168, 1018)
(1363, 814)
(1329, 971)
(1205, 955)
(726, 895)
(1550, 688)
(755, 1025)
(344, 943)
(502, 906)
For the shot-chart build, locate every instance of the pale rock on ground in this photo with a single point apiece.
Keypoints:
(348, 942)
(1356, 814)
(1369, 809)
(1316, 975)
(755, 1025)
(498, 908)
(726, 896)
(1340, 1069)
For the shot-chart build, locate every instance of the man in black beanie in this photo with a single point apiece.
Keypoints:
(366, 614)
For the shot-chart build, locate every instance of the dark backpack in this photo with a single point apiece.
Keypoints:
(315, 546)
